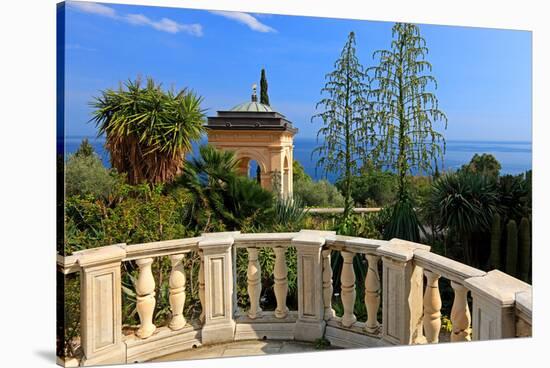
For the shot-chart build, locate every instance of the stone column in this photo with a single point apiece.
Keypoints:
(101, 306)
(432, 308)
(402, 282)
(254, 283)
(219, 325)
(145, 290)
(327, 285)
(493, 304)
(310, 324)
(372, 294)
(348, 289)
(177, 292)
(280, 274)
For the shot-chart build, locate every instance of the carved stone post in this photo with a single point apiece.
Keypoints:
(145, 290)
(432, 308)
(310, 324)
(254, 283)
(327, 285)
(281, 282)
(402, 292)
(372, 294)
(493, 306)
(219, 325)
(177, 292)
(201, 287)
(348, 289)
(460, 314)
(101, 307)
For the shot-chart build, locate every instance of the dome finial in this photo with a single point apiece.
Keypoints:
(254, 97)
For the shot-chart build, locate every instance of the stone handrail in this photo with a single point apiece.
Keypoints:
(335, 210)
(410, 308)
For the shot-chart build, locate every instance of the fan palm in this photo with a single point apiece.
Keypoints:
(148, 131)
(213, 180)
(464, 204)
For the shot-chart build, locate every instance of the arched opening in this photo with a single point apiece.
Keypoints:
(255, 171)
(252, 169)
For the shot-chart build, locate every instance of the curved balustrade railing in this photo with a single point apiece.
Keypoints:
(406, 294)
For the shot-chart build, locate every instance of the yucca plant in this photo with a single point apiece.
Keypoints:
(148, 130)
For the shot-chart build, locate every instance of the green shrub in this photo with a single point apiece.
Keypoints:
(318, 194)
(373, 188)
(86, 175)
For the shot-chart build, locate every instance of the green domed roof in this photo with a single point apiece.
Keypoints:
(252, 106)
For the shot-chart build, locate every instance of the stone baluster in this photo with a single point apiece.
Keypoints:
(372, 294)
(327, 285)
(460, 314)
(145, 289)
(432, 308)
(281, 282)
(254, 283)
(201, 287)
(348, 289)
(177, 292)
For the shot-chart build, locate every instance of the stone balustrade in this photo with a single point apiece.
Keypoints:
(401, 295)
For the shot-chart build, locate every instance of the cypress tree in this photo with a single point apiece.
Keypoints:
(512, 248)
(496, 232)
(525, 244)
(259, 175)
(264, 98)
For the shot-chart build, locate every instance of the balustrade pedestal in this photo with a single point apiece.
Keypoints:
(402, 293)
(310, 324)
(493, 297)
(101, 306)
(219, 325)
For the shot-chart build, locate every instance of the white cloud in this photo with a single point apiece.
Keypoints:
(76, 46)
(163, 25)
(94, 8)
(247, 19)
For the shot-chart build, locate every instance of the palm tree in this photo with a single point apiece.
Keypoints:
(148, 130)
(214, 181)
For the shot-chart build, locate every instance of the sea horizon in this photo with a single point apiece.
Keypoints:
(515, 157)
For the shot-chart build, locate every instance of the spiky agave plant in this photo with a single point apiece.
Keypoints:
(288, 214)
(148, 130)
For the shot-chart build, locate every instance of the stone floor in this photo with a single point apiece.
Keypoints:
(241, 348)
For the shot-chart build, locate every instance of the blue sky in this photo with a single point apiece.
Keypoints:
(484, 75)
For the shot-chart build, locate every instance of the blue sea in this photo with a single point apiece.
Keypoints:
(515, 157)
